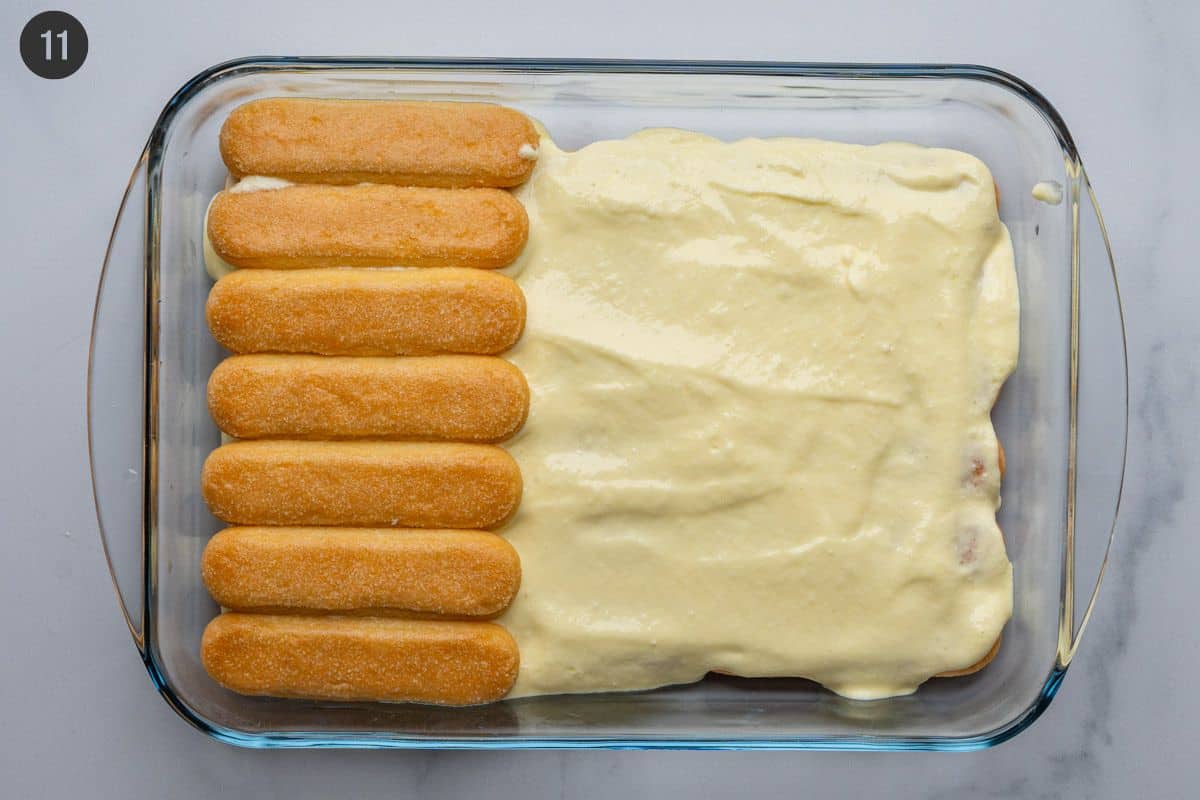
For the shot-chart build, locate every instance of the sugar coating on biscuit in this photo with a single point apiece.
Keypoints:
(452, 398)
(353, 658)
(363, 312)
(450, 145)
(306, 226)
(361, 484)
(361, 570)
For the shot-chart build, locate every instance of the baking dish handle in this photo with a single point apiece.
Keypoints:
(1099, 412)
(116, 402)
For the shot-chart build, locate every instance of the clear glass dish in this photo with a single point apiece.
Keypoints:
(1062, 416)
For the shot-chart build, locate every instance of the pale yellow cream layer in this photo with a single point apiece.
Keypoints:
(759, 439)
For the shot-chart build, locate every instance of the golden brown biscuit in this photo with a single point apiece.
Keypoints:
(367, 484)
(978, 665)
(360, 658)
(356, 141)
(361, 570)
(455, 398)
(363, 312)
(301, 226)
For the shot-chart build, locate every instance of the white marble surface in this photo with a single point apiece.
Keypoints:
(79, 713)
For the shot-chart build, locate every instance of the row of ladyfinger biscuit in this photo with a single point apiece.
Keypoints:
(422, 478)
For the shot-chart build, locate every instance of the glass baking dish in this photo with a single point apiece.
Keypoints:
(1062, 416)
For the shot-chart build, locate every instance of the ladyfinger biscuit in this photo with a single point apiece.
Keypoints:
(456, 398)
(356, 141)
(991, 654)
(366, 484)
(364, 312)
(361, 570)
(300, 226)
(978, 665)
(360, 658)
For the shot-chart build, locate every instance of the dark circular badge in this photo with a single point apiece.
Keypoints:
(53, 44)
